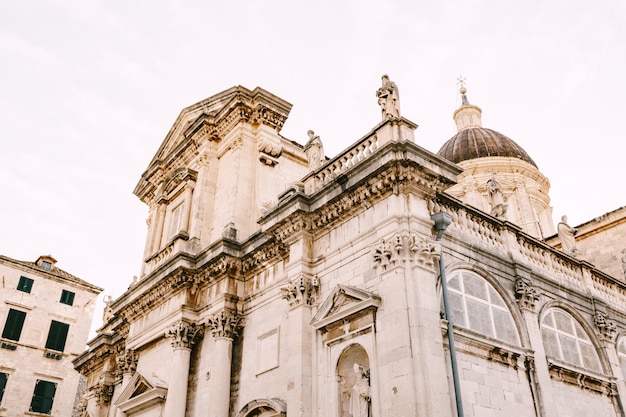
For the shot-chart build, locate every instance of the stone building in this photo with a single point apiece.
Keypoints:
(46, 316)
(276, 281)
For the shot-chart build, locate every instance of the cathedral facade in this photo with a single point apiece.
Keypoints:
(385, 281)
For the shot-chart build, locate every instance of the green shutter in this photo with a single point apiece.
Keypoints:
(43, 397)
(14, 324)
(57, 336)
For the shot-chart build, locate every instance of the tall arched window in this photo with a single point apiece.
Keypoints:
(566, 340)
(476, 305)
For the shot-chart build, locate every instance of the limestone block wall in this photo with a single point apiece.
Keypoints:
(572, 401)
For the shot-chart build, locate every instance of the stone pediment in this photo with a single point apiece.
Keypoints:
(344, 303)
(141, 392)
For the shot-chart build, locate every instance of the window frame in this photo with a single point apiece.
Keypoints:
(4, 380)
(57, 336)
(25, 284)
(41, 407)
(15, 332)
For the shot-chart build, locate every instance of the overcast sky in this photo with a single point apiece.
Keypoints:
(89, 89)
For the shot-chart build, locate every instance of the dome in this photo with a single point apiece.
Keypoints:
(479, 142)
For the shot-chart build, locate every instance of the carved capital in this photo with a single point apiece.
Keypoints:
(183, 335)
(224, 324)
(127, 362)
(302, 290)
(103, 392)
(526, 294)
(606, 328)
(425, 249)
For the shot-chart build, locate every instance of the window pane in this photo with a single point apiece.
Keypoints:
(563, 322)
(479, 317)
(505, 327)
(475, 286)
(590, 358)
(548, 320)
(569, 349)
(495, 298)
(14, 324)
(453, 283)
(25, 284)
(550, 343)
(580, 332)
(457, 309)
(57, 336)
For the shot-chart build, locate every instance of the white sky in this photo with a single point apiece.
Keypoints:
(89, 89)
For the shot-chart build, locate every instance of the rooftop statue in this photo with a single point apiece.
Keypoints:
(388, 98)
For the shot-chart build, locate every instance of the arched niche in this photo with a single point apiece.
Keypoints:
(263, 407)
(353, 377)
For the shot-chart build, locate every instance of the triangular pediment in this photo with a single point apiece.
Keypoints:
(344, 301)
(141, 392)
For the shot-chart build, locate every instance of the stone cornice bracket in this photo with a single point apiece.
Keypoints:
(224, 324)
(183, 335)
(269, 151)
(606, 328)
(267, 116)
(301, 290)
(526, 294)
(127, 362)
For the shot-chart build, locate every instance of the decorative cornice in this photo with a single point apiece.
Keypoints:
(224, 324)
(271, 252)
(405, 247)
(301, 290)
(127, 362)
(526, 294)
(183, 335)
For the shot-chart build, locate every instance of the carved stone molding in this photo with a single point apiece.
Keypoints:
(269, 151)
(424, 249)
(384, 254)
(269, 253)
(127, 362)
(526, 294)
(301, 290)
(403, 247)
(103, 391)
(606, 328)
(224, 324)
(183, 335)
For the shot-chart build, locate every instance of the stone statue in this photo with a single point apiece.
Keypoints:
(314, 150)
(567, 236)
(624, 262)
(360, 393)
(498, 208)
(389, 98)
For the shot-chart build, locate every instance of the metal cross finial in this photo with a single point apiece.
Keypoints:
(461, 81)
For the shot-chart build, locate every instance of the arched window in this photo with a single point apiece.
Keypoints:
(621, 354)
(566, 340)
(476, 305)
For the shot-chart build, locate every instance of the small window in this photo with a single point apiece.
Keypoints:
(25, 284)
(3, 383)
(57, 336)
(43, 397)
(67, 297)
(46, 265)
(14, 324)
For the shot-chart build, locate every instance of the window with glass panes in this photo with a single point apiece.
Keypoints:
(476, 305)
(67, 297)
(25, 284)
(566, 340)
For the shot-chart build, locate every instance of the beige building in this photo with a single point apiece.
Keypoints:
(277, 281)
(46, 316)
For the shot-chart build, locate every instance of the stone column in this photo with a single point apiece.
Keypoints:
(183, 336)
(187, 206)
(158, 229)
(527, 297)
(126, 367)
(223, 326)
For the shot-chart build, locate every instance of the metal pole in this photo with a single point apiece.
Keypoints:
(442, 221)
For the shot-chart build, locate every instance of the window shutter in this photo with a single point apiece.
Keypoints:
(57, 336)
(14, 324)
(43, 397)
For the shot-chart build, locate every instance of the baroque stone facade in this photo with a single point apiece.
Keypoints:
(45, 315)
(277, 281)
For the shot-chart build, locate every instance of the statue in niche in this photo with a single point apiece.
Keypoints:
(498, 208)
(314, 150)
(388, 98)
(567, 237)
(360, 393)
